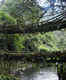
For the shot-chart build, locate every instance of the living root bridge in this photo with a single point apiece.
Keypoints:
(44, 27)
(32, 56)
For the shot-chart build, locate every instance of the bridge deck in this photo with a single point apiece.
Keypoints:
(31, 54)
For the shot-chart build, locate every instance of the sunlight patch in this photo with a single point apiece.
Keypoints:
(41, 2)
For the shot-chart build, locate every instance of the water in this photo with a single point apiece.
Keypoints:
(29, 71)
(47, 73)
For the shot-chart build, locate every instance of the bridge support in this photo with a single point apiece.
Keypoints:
(59, 67)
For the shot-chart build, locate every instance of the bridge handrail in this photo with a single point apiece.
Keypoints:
(59, 16)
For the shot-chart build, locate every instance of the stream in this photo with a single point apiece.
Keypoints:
(47, 73)
(30, 71)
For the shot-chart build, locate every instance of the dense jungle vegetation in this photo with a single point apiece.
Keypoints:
(33, 42)
(24, 14)
(29, 15)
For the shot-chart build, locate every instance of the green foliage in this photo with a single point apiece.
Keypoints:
(5, 18)
(45, 42)
(4, 77)
(23, 13)
(26, 12)
(19, 42)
